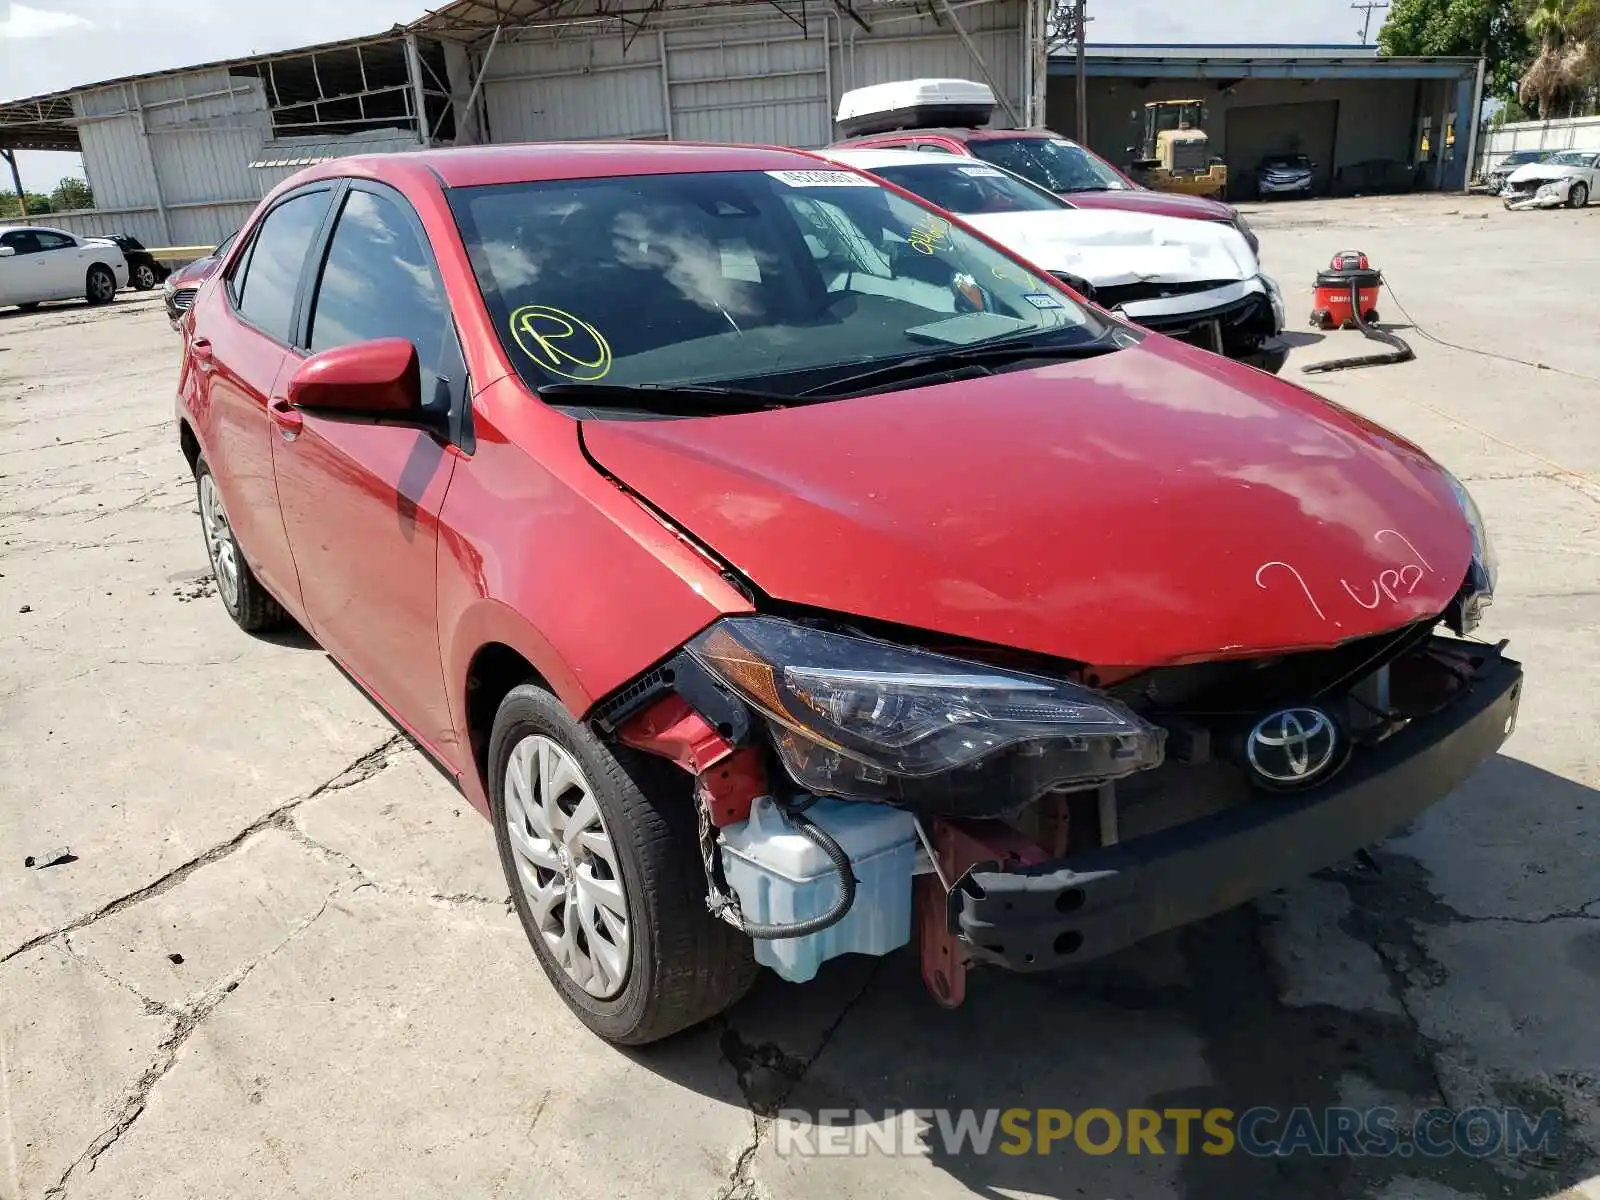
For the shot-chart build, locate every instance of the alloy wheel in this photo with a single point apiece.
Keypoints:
(103, 284)
(221, 547)
(567, 865)
(144, 277)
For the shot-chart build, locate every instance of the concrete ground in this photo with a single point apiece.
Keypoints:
(279, 961)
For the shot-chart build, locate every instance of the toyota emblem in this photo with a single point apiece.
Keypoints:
(1294, 747)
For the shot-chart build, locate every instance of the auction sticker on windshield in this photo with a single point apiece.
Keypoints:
(1042, 300)
(982, 172)
(821, 179)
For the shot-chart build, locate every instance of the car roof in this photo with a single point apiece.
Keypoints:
(951, 132)
(867, 157)
(479, 166)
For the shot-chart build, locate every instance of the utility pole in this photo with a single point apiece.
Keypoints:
(22, 197)
(1083, 80)
(1366, 22)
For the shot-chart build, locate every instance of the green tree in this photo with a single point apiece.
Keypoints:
(37, 204)
(1495, 29)
(71, 194)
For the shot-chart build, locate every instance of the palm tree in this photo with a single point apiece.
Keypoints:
(1566, 70)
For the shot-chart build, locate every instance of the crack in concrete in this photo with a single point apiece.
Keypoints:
(1580, 913)
(361, 768)
(185, 1021)
(300, 837)
(152, 1006)
(740, 1185)
(754, 1063)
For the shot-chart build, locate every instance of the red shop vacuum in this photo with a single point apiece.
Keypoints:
(1346, 297)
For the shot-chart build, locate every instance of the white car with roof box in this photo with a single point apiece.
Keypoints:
(1197, 281)
(39, 264)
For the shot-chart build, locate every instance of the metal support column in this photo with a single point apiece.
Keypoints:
(16, 178)
(1082, 79)
(150, 161)
(418, 97)
(983, 67)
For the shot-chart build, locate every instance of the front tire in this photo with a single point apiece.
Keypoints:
(143, 277)
(249, 604)
(600, 847)
(99, 285)
(1578, 195)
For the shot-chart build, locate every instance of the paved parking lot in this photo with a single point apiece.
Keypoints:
(280, 962)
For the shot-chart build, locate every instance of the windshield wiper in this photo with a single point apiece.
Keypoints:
(663, 397)
(985, 354)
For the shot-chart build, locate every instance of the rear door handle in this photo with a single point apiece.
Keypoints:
(286, 417)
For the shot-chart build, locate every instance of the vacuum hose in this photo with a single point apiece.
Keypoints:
(1401, 352)
(841, 866)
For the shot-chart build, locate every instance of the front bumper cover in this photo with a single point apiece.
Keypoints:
(1052, 915)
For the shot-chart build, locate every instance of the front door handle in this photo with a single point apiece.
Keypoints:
(287, 418)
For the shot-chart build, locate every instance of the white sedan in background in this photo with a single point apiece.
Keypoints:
(38, 264)
(1197, 281)
(1569, 178)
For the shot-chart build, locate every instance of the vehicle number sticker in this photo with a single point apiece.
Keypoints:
(982, 172)
(1043, 300)
(821, 179)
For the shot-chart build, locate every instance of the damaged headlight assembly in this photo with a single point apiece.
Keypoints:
(859, 718)
(1478, 594)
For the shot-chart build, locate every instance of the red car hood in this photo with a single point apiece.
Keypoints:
(1165, 204)
(1151, 506)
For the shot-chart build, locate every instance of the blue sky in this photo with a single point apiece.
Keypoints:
(47, 45)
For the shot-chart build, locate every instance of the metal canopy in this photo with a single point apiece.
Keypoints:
(40, 123)
(472, 21)
(330, 86)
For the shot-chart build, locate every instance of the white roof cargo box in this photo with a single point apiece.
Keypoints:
(915, 104)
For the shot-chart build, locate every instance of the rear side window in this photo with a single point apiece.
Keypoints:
(54, 241)
(378, 281)
(266, 288)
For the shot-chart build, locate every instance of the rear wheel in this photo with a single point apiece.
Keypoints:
(601, 850)
(249, 604)
(100, 285)
(1579, 195)
(143, 276)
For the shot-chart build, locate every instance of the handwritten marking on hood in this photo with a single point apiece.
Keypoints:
(1315, 607)
(1390, 581)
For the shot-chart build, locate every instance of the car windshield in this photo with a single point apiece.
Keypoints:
(1053, 163)
(783, 277)
(1571, 158)
(1289, 160)
(966, 187)
(1519, 157)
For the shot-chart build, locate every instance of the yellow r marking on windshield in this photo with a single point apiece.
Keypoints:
(561, 343)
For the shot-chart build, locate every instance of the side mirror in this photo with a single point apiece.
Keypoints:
(379, 381)
(7, 251)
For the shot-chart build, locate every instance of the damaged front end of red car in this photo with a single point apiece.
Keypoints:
(1043, 820)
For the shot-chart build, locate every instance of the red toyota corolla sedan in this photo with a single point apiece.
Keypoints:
(788, 572)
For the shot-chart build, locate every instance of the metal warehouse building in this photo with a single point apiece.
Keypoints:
(180, 157)
(1367, 122)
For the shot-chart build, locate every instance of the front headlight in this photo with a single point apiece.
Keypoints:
(1280, 316)
(1243, 227)
(1485, 569)
(856, 717)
